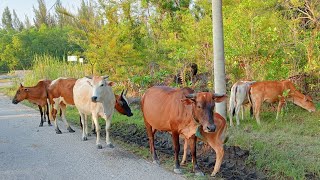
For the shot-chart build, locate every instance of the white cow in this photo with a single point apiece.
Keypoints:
(238, 98)
(94, 95)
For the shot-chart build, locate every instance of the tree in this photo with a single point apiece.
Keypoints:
(17, 24)
(27, 22)
(7, 19)
(42, 16)
(218, 53)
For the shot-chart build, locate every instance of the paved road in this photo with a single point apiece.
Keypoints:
(31, 152)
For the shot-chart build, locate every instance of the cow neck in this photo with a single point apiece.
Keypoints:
(198, 132)
(33, 95)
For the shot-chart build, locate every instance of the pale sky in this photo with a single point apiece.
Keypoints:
(25, 7)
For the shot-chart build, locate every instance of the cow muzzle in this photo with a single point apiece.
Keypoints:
(210, 128)
(14, 101)
(94, 98)
(129, 114)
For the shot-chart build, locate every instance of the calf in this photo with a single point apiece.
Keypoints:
(238, 98)
(36, 95)
(215, 140)
(273, 91)
(94, 96)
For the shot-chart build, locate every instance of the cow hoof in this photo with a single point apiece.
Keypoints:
(99, 146)
(156, 162)
(84, 138)
(213, 174)
(183, 163)
(199, 173)
(177, 171)
(58, 131)
(110, 145)
(49, 124)
(40, 125)
(70, 129)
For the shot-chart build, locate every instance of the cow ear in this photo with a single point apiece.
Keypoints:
(89, 77)
(105, 77)
(219, 97)
(122, 93)
(307, 98)
(187, 101)
(21, 85)
(110, 83)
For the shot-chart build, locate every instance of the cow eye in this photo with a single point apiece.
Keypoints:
(102, 85)
(199, 107)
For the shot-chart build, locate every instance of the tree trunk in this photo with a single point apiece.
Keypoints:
(218, 56)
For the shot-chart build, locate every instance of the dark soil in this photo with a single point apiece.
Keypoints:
(233, 166)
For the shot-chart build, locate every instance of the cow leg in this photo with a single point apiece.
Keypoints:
(93, 129)
(217, 146)
(46, 107)
(185, 152)
(237, 113)
(192, 141)
(63, 117)
(41, 116)
(108, 124)
(151, 143)
(96, 123)
(256, 110)
(242, 112)
(280, 105)
(176, 145)
(83, 120)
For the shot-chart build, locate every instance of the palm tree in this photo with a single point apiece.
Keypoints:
(218, 55)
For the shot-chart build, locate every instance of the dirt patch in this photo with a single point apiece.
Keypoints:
(234, 163)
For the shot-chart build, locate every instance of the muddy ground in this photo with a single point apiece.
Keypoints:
(233, 166)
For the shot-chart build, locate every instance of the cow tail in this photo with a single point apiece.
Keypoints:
(250, 101)
(232, 108)
(50, 110)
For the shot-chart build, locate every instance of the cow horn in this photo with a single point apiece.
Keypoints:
(191, 96)
(89, 77)
(105, 77)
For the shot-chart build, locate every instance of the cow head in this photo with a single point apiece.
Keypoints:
(203, 108)
(122, 105)
(21, 94)
(99, 85)
(306, 103)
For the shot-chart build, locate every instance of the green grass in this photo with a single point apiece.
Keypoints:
(288, 147)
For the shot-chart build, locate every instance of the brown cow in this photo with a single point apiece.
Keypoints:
(215, 140)
(60, 95)
(179, 111)
(273, 91)
(36, 95)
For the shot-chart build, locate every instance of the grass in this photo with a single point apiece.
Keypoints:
(288, 147)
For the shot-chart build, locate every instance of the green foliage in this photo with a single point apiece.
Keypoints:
(47, 67)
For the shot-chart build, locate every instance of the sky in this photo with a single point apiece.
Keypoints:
(25, 7)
